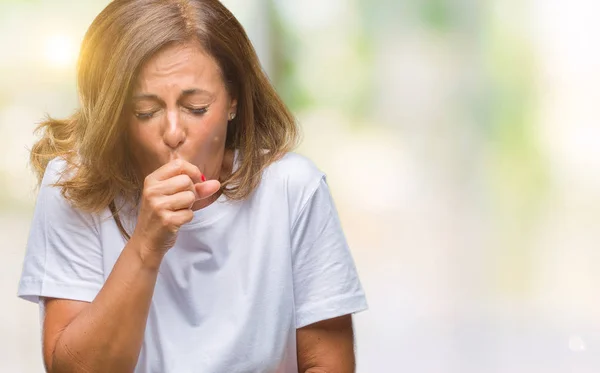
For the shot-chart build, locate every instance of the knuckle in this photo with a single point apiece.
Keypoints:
(165, 220)
(154, 204)
(183, 181)
(147, 181)
(178, 164)
(147, 192)
(190, 196)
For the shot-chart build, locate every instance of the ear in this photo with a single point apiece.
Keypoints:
(233, 106)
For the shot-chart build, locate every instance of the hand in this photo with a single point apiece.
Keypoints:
(166, 204)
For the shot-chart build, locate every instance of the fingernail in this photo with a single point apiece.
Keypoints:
(203, 178)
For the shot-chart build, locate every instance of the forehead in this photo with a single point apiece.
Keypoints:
(184, 66)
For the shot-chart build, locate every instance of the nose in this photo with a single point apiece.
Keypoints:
(174, 134)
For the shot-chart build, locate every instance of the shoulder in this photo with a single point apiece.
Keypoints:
(51, 199)
(296, 167)
(296, 177)
(294, 171)
(56, 170)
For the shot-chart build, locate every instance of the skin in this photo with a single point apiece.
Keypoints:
(180, 108)
(177, 125)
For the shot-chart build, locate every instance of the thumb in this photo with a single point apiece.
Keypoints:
(207, 188)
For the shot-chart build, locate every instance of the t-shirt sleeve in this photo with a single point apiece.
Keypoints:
(326, 283)
(63, 258)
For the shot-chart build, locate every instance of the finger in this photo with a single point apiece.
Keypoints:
(207, 188)
(174, 185)
(174, 168)
(179, 201)
(181, 217)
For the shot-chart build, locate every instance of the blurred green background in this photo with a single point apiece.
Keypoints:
(462, 144)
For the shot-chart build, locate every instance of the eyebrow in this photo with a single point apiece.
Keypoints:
(185, 92)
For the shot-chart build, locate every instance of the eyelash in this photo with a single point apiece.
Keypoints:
(149, 115)
(144, 116)
(199, 111)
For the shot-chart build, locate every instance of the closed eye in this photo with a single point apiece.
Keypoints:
(198, 111)
(145, 115)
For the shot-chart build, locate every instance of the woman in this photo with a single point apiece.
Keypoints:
(174, 231)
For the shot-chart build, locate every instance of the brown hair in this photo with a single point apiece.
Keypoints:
(122, 37)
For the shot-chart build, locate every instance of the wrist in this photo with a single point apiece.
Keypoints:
(150, 258)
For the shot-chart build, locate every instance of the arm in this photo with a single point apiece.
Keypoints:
(106, 335)
(327, 290)
(326, 346)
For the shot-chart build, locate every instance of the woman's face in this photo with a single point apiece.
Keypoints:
(179, 109)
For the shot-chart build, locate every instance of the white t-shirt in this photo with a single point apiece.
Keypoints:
(241, 278)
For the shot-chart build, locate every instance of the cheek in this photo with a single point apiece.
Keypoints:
(212, 129)
(136, 136)
(141, 140)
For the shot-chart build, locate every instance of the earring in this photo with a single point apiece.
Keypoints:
(232, 116)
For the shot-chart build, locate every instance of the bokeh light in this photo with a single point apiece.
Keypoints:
(60, 50)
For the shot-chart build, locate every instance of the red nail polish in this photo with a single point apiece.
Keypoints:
(203, 178)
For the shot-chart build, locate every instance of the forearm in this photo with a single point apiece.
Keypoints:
(107, 335)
